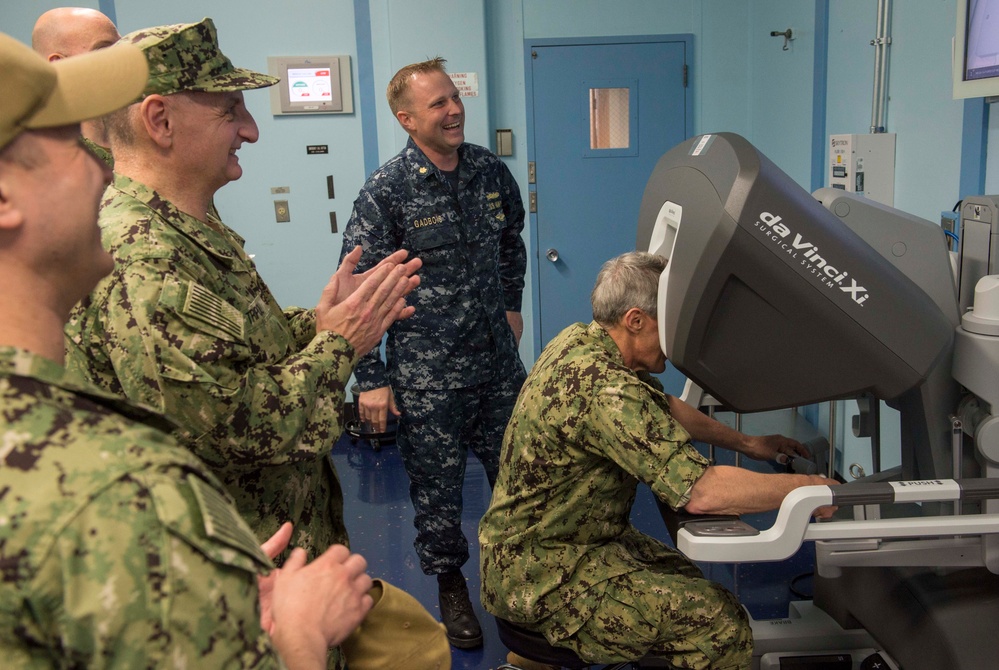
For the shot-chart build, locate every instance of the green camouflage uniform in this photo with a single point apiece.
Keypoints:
(118, 548)
(558, 553)
(184, 323)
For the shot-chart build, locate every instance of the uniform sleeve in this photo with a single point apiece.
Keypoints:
(126, 586)
(513, 252)
(370, 227)
(237, 406)
(641, 436)
(302, 323)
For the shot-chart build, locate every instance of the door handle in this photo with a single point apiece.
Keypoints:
(552, 255)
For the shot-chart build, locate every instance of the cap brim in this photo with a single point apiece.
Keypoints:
(250, 79)
(92, 85)
(239, 79)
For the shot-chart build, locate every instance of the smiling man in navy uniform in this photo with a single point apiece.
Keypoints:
(452, 371)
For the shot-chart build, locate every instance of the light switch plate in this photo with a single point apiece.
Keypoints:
(281, 212)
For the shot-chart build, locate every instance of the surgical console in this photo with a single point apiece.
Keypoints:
(774, 298)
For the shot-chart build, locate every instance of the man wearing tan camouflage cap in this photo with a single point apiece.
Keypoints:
(186, 324)
(118, 547)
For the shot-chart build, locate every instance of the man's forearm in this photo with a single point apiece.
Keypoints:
(729, 490)
(703, 428)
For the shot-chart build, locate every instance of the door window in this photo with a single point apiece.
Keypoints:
(611, 107)
(609, 120)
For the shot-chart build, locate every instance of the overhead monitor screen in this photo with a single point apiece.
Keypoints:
(982, 55)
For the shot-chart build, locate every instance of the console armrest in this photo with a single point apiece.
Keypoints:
(677, 519)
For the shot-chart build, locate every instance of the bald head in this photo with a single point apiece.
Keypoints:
(70, 31)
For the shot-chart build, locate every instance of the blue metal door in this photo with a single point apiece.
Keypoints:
(603, 112)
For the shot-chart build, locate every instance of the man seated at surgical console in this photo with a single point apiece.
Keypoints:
(558, 553)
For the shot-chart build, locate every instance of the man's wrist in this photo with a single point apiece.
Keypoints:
(299, 648)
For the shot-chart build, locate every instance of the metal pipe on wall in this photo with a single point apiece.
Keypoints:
(881, 42)
(877, 68)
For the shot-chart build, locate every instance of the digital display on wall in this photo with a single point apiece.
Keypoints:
(311, 85)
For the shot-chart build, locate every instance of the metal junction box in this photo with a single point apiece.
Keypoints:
(864, 164)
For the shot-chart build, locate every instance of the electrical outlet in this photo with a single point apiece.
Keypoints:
(281, 212)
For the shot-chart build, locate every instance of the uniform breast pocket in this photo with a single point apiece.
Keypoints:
(489, 224)
(200, 329)
(203, 311)
(431, 237)
(495, 216)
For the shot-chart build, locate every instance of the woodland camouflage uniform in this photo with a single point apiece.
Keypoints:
(186, 324)
(558, 552)
(117, 546)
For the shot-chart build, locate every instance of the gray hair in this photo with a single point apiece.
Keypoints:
(119, 128)
(626, 281)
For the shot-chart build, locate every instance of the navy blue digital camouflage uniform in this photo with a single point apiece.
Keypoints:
(454, 365)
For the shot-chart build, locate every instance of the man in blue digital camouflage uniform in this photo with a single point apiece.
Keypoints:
(453, 370)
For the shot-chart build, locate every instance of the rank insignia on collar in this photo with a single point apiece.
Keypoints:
(423, 170)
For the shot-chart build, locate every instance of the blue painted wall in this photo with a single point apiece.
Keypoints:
(781, 95)
(17, 18)
(742, 80)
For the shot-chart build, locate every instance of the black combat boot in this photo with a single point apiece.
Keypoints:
(463, 629)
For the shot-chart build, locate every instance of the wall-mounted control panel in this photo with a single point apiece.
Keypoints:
(311, 85)
(864, 164)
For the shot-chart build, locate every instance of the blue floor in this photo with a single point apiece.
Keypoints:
(379, 519)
